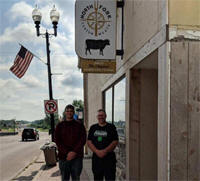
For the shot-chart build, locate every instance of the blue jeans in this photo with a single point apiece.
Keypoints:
(71, 168)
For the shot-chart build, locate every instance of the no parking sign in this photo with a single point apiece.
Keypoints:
(51, 106)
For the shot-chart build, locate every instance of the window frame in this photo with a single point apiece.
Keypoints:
(112, 87)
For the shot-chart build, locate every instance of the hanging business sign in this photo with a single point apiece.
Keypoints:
(95, 29)
(98, 66)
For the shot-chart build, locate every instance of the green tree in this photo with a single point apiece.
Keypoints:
(78, 104)
(45, 123)
(47, 120)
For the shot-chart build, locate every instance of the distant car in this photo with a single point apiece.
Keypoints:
(30, 133)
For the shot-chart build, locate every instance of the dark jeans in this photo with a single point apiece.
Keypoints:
(71, 168)
(104, 168)
(109, 176)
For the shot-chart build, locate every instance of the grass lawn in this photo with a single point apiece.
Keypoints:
(43, 130)
(7, 130)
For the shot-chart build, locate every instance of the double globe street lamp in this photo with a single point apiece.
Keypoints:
(54, 16)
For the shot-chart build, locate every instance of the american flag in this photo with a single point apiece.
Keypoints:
(22, 62)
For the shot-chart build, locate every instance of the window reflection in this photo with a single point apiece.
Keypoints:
(118, 113)
(108, 105)
(119, 107)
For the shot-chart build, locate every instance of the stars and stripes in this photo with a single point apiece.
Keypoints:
(21, 62)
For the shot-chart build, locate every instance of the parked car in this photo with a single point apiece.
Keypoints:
(30, 133)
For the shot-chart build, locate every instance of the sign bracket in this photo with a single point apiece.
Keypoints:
(120, 4)
(120, 52)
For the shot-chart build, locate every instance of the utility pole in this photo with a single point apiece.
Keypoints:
(50, 83)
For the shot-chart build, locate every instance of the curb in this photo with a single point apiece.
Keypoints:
(41, 172)
(38, 174)
(26, 167)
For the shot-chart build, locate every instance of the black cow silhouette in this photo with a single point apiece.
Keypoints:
(96, 44)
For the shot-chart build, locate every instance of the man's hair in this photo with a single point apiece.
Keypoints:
(69, 106)
(102, 110)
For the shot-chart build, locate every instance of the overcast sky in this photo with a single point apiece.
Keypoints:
(23, 99)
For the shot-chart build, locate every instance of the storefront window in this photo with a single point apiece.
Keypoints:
(115, 101)
(108, 104)
(115, 105)
(119, 107)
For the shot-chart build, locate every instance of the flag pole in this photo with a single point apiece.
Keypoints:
(35, 55)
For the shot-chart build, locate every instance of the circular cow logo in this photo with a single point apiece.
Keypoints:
(95, 19)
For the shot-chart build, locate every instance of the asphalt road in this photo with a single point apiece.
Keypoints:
(16, 155)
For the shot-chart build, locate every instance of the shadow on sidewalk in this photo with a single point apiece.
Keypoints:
(56, 174)
(29, 177)
(48, 167)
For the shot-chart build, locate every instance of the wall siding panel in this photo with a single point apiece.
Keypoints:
(179, 114)
(194, 112)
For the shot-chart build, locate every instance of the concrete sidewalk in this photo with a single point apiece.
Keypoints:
(37, 170)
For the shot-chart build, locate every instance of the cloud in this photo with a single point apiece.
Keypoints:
(10, 84)
(73, 81)
(20, 98)
(4, 68)
(32, 82)
(21, 11)
(25, 31)
(17, 87)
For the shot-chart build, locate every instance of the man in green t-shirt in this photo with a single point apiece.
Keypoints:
(102, 140)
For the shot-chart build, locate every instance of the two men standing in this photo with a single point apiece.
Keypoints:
(70, 137)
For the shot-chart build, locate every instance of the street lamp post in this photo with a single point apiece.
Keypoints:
(37, 16)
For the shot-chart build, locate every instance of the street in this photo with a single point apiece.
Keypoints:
(16, 155)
